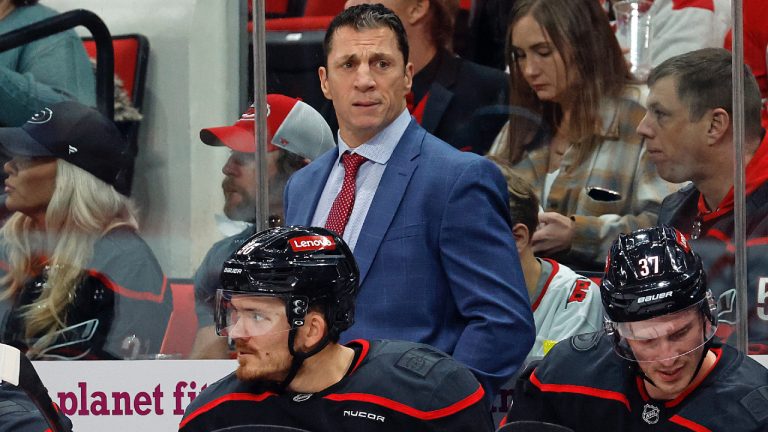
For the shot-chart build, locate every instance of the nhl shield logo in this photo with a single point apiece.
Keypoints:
(650, 414)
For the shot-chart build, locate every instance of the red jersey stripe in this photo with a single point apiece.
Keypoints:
(701, 4)
(127, 292)
(583, 390)
(365, 347)
(684, 422)
(232, 397)
(407, 410)
(555, 269)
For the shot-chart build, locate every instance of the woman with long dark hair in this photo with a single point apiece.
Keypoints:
(571, 131)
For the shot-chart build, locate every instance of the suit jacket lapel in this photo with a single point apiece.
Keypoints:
(317, 176)
(389, 195)
(440, 93)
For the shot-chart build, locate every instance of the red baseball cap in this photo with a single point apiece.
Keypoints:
(291, 125)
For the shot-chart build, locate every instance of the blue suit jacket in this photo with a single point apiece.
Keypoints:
(438, 263)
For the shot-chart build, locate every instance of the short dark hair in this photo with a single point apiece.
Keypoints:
(367, 16)
(19, 3)
(704, 82)
(523, 201)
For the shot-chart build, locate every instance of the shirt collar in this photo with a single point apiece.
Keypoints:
(379, 148)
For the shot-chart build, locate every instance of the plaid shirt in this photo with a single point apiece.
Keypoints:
(616, 190)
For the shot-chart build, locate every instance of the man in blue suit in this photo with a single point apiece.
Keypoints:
(428, 224)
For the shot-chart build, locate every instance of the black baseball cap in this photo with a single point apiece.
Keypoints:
(77, 134)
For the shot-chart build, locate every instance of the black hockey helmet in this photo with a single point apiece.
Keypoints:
(304, 266)
(649, 274)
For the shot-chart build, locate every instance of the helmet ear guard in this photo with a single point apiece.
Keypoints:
(296, 310)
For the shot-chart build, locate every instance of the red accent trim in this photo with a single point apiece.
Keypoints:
(555, 269)
(757, 241)
(719, 235)
(502, 422)
(701, 4)
(408, 410)
(582, 390)
(418, 111)
(756, 173)
(365, 346)
(684, 422)
(232, 397)
(641, 389)
(676, 401)
(126, 292)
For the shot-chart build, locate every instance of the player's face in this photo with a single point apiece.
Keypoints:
(679, 350)
(266, 356)
(674, 142)
(539, 61)
(30, 185)
(240, 184)
(367, 80)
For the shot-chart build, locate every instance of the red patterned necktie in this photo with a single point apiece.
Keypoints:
(345, 200)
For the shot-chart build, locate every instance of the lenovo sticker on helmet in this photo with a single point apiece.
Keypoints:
(312, 243)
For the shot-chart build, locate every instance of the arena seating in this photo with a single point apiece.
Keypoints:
(182, 325)
(131, 54)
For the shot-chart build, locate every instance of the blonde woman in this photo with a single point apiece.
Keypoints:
(78, 282)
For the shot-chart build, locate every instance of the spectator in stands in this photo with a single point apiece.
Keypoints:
(564, 303)
(572, 121)
(656, 367)
(428, 225)
(452, 98)
(41, 72)
(681, 26)
(756, 46)
(688, 131)
(296, 133)
(78, 282)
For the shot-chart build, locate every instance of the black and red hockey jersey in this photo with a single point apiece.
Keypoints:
(584, 385)
(392, 386)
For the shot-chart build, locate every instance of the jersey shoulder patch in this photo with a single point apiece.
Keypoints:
(11, 407)
(586, 341)
(580, 290)
(419, 361)
(756, 402)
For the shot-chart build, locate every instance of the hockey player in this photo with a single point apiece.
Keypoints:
(285, 297)
(655, 366)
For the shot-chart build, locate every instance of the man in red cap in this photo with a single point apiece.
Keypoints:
(296, 133)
